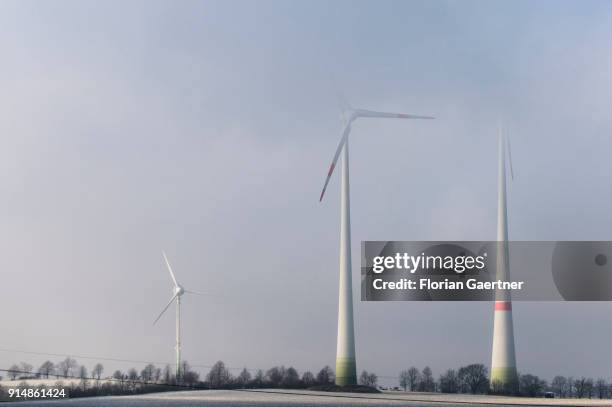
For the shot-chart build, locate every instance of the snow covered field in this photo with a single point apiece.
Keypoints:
(256, 398)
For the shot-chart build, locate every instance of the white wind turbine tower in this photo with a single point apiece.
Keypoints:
(503, 360)
(178, 292)
(346, 366)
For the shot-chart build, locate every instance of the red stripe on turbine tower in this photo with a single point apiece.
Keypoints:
(503, 306)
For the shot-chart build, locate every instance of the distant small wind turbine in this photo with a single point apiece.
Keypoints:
(346, 366)
(178, 292)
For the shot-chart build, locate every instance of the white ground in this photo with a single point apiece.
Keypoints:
(255, 398)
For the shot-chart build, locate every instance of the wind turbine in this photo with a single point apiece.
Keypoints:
(503, 358)
(178, 292)
(346, 366)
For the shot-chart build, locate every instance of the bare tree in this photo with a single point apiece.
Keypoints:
(602, 388)
(275, 375)
(97, 371)
(149, 370)
(427, 381)
(291, 378)
(118, 375)
(580, 385)
(559, 386)
(364, 378)
(67, 367)
(414, 377)
(82, 372)
(184, 368)
(368, 379)
(474, 377)
(167, 374)
(589, 388)
(26, 368)
(373, 380)
(218, 376)
(259, 378)
(404, 380)
(46, 369)
(570, 387)
(83, 377)
(449, 382)
(244, 378)
(157, 374)
(308, 379)
(531, 385)
(132, 374)
(190, 377)
(325, 376)
(13, 372)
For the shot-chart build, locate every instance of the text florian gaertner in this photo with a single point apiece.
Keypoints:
(424, 263)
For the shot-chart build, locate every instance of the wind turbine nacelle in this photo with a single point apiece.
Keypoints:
(179, 290)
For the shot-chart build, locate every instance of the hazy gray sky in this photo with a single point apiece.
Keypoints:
(206, 129)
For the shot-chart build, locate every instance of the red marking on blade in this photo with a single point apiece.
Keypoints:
(503, 306)
(322, 193)
(331, 169)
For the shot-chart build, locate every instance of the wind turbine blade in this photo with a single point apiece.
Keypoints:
(199, 293)
(345, 133)
(170, 269)
(372, 113)
(510, 157)
(194, 292)
(165, 308)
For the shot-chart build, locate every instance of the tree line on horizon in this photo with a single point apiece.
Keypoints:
(472, 379)
(155, 379)
(95, 383)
